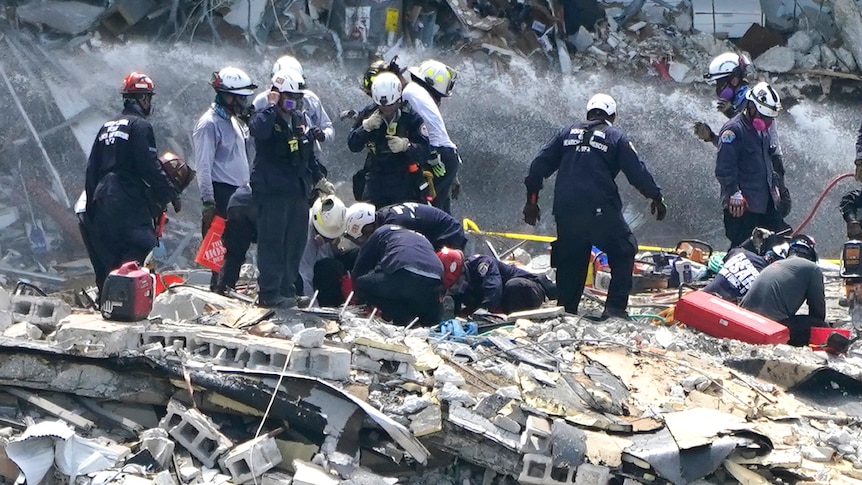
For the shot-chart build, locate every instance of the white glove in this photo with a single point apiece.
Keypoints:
(372, 122)
(325, 186)
(398, 144)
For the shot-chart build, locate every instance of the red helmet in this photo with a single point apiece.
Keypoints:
(138, 83)
(453, 265)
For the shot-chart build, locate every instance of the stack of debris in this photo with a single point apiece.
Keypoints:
(210, 390)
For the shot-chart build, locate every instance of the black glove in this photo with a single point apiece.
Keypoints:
(532, 214)
(178, 204)
(658, 208)
(703, 131)
(724, 105)
(318, 134)
(207, 215)
(854, 230)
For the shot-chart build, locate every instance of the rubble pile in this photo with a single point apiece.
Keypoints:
(211, 390)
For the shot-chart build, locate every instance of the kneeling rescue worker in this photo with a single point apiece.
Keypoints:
(587, 206)
(124, 179)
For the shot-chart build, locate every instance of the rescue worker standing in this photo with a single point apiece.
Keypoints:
(219, 141)
(284, 174)
(433, 81)
(397, 143)
(437, 226)
(398, 272)
(850, 205)
(240, 230)
(123, 178)
(587, 206)
(749, 189)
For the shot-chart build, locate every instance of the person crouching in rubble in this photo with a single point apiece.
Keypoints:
(398, 272)
(437, 226)
(285, 173)
(483, 284)
(587, 206)
(785, 285)
(324, 263)
(397, 143)
(743, 265)
(750, 191)
(123, 178)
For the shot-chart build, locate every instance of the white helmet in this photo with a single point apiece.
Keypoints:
(725, 65)
(386, 89)
(328, 216)
(359, 215)
(287, 81)
(602, 102)
(287, 63)
(234, 81)
(765, 99)
(436, 75)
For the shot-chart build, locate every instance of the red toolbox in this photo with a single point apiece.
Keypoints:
(127, 294)
(719, 318)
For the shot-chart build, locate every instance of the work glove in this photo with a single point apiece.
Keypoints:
(372, 122)
(736, 204)
(207, 215)
(438, 168)
(724, 105)
(456, 188)
(397, 144)
(318, 134)
(854, 230)
(703, 131)
(658, 208)
(532, 214)
(348, 114)
(325, 186)
(858, 174)
(178, 204)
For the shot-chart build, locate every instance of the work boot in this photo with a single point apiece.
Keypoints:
(608, 313)
(277, 302)
(302, 301)
(447, 309)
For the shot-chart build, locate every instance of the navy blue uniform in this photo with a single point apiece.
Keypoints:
(240, 231)
(850, 204)
(436, 225)
(497, 287)
(391, 178)
(741, 268)
(124, 180)
(587, 206)
(744, 163)
(284, 173)
(398, 271)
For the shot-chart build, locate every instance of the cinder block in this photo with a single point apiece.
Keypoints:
(539, 470)
(169, 337)
(310, 474)
(90, 334)
(271, 356)
(39, 310)
(195, 432)
(251, 459)
(329, 363)
(589, 474)
(536, 436)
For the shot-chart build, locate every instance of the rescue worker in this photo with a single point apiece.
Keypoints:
(742, 265)
(219, 140)
(123, 178)
(398, 272)
(284, 174)
(587, 206)
(326, 224)
(437, 226)
(485, 284)
(728, 73)
(850, 204)
(397, 143)
(749, 190)
(240, 230)
(785, 285)
(321, 125)
(433, 81)
(857, 174)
